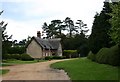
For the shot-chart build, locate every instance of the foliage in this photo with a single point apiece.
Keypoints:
(6, 44)
(17, 56)
(115, 22)
(91, 56)
(103, 55)
(99, 37)
(84, 69)
(25, 57)
(114, 55)
(16, 50)
(58, 57)
(83, 50)
(48, 57)
(109, 55)
(70, 53)
(54, 57)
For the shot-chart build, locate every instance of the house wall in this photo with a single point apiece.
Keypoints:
(47, 53)
(59, 51)
(34, 50)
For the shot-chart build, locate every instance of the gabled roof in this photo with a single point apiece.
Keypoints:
(48, 43)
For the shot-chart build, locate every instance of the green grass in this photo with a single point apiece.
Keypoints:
(85, 69)
(4, 71)
(16, 62)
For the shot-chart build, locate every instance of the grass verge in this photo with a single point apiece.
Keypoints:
(16, 62)
(85, 69)
(4, 71)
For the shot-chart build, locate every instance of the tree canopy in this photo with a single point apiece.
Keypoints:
(115, 22)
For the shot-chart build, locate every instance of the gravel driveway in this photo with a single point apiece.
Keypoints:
(36, 71)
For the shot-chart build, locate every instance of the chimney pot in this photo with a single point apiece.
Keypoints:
(38, 34)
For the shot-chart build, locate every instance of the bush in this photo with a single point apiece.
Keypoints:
(91, 56)
(58, 57)
(26, 57)
(70, 53)
(48, 57)
(54, 57)
(109, 56)
(114, 56)
(102, 55)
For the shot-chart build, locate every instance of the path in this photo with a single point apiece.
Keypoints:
(36, 71)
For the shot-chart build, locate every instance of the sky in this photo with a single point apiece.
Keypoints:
(26, 17)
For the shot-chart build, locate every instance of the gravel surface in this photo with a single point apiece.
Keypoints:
(36, 71)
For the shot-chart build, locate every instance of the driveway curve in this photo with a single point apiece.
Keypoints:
(36, 71)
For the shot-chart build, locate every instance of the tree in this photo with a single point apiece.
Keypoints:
(115, 22)
(70, 25)
(6, 44)
(59, 26)
(50, 30)
(82, 28)
(99, 37)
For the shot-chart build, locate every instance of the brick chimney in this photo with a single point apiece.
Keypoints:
(38, 34)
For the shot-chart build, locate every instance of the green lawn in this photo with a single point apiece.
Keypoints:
(16, 62)
(4, 71)
(85, 69)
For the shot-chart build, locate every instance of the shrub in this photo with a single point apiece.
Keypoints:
(102, 55)
(70, 53)
(48, 57)
(58, 57)
(109, 56)
(114, 56)
(91, 56)
(26, 57)
(54, 57)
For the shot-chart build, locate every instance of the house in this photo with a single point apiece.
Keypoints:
(40, 48)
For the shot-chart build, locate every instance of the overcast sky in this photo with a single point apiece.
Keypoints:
(26, 17)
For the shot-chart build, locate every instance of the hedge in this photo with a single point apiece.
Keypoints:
(17, 56)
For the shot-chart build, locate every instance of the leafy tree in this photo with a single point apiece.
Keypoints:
(115, 22)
